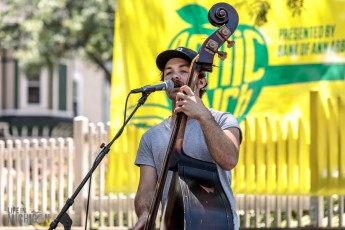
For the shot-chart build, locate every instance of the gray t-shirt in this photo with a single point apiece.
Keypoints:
(154, 143)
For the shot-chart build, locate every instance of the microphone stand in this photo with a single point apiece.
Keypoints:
(63, 217)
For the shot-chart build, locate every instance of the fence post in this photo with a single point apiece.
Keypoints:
(80, 129)
(2, 195)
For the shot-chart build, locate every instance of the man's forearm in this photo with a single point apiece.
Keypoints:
(142, 203)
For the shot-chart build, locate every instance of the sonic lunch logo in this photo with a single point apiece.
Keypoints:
(235, 82)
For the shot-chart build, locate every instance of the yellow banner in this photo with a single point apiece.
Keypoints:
(269, 72)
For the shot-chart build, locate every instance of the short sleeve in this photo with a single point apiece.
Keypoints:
(144, 153)
(227, 120)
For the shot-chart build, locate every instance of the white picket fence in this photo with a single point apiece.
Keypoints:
(39, 175)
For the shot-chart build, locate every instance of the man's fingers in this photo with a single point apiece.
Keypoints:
(181, 96)
(187, 90)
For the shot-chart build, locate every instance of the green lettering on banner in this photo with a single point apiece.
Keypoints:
(319, 47)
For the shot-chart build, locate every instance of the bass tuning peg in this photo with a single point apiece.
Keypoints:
(222, 55)
(230, 43)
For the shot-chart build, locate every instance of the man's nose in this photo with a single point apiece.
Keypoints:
(176, 76)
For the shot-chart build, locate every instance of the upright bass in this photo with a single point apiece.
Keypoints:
(187, 207)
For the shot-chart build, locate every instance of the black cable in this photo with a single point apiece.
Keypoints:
(124, 114)
(124, 120)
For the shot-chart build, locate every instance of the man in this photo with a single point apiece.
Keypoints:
(213, 136)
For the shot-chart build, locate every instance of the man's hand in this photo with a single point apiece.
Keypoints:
(141, 222)
(190, 104)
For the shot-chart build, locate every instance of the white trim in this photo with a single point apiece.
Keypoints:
(78, 79)
(44, 88)
(35, 111)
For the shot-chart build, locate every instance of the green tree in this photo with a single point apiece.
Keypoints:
(42, 32)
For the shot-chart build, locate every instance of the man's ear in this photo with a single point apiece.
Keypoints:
(202, 83)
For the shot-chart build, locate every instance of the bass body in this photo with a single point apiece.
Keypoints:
(196, 197)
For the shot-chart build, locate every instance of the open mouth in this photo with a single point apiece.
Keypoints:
(178, 84)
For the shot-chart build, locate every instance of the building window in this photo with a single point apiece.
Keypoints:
(34, 94)
(34, 89)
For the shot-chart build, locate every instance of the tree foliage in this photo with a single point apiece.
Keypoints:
(42, 32)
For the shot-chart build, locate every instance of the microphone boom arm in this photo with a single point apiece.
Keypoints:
(63, 216)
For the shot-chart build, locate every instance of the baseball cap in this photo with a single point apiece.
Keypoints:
(180, 52)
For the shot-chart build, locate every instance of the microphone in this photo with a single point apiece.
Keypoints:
(165, 85)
